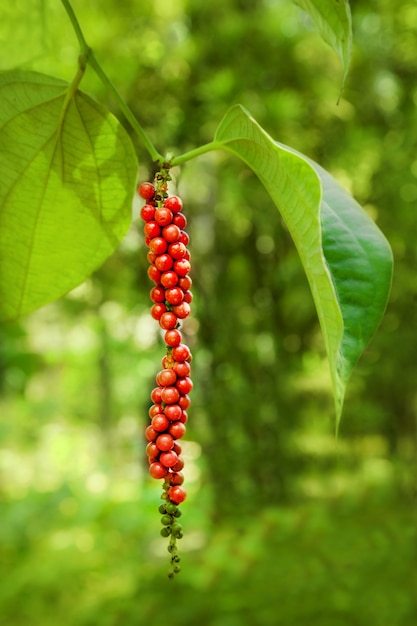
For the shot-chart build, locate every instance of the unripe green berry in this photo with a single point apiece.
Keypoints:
(178, 513)
(171, 508)
(176, 528)
(162, 509)
(166, 531)
(166, 520)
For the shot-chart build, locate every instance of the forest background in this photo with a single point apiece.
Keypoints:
(284, 524)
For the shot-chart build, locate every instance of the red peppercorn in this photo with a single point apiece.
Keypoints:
(150, 433)
(165, 442)
(177, 430)
(182, 368)
(158, 245)
(184, 385)
(152, 229)
(158, 310)
(173, 412)
(155, 409)
(176, 478)
(170, 395)
(169, 459)
(157, 470)
(180, 220)
(177, 494)
(157, 294)
(175, 295)
(163, 216)
(173, 338)
(182, 267)
(166, 378)
(164, 262)
(177, 250)
(160, 423)
(154, 273)
(146, 191)
(169, 279)
(168, 320)
(147, 213)
(184, 402)
(182, 310)
(171, 233)
(174, 203)
(181, 353)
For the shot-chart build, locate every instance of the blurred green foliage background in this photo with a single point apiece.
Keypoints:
(284, 524)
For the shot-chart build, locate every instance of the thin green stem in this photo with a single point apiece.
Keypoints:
(88, 55)
(192, 154)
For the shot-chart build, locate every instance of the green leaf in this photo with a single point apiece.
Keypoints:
(67, 176)
(333, 20)
(347, 260)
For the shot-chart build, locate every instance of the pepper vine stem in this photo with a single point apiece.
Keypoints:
(87, 53)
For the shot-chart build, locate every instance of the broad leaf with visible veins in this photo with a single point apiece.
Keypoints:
(67, 176)
(347, 260)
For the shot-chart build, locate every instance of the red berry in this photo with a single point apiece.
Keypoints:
(165, 442)
(184, 238)
(180, 220)
(184, 402)
(147, 213)
(158, 245)
(177, 494)
(151, 256)
(185, 283)
(163, 216)
(157, 470)
(182, 267)
(155, 409)
(150, 433)
(169, 459)
(177, 430)
(152, 451)
(174, 203)
(160, 423)
(170, 395)
(169, 279)
(146, 191)
(175, 295)
(179, 465)
(176, 478)
(173, 412)
(168, 320)
(166, 378)
(181, 353)
(171, 233)
(164, 262)
(184, 416)
(157, 294)
(173, 338)
(154, 273)
(182, 310)
(156, 395)
(177, 448)
(182, 368)
(152, 229)
(177, 250)
(184, 385)
(188, 297)
(158, 310)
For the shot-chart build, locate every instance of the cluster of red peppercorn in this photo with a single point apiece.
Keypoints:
(169, 267)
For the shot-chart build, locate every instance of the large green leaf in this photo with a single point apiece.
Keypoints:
(347, 260)
(67, 176)
(333, 20)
